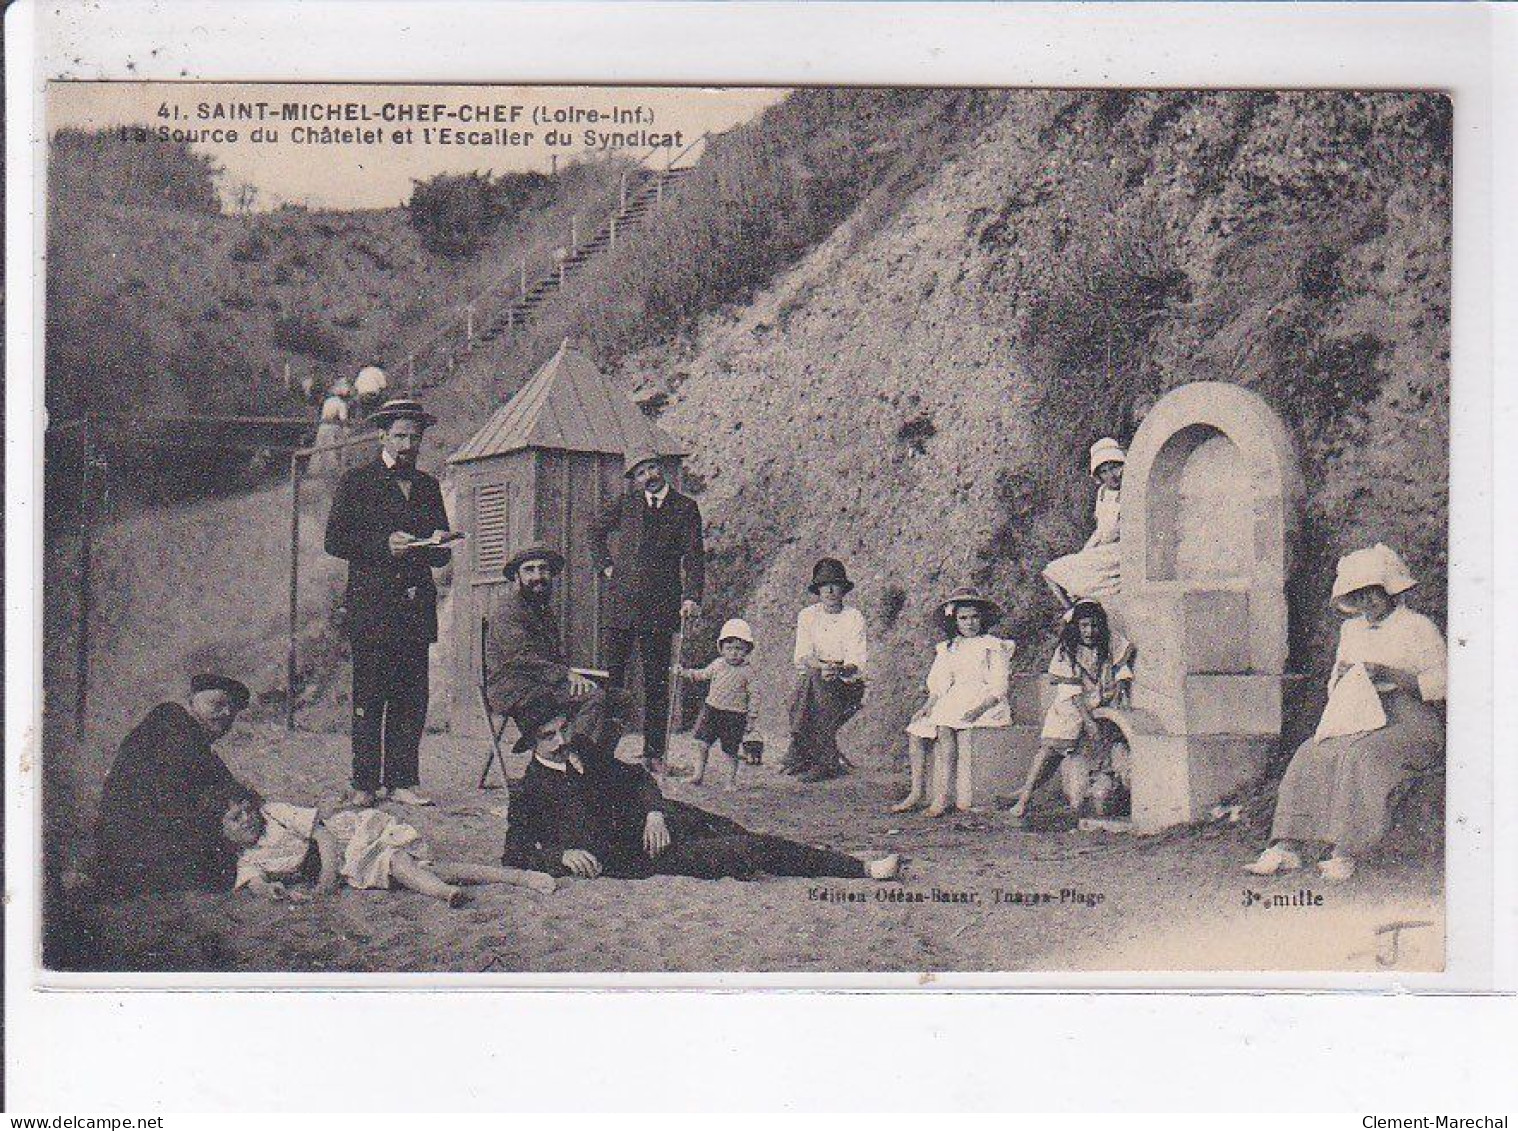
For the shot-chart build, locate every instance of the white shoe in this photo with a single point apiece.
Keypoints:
(1276, 858)
(407, 796)
(1337, 869)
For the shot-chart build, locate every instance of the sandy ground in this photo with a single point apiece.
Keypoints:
(1071, 900)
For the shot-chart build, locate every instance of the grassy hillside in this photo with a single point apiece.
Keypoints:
(889, 323)
(916, 396)
(158, 306)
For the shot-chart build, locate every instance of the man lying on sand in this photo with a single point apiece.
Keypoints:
(584, 813)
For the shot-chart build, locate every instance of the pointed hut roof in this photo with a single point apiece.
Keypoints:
(569, 406)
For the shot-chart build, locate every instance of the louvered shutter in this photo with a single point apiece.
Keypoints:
(492, 542)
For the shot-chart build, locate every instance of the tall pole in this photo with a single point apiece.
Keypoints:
(290, 657)
(82, 637)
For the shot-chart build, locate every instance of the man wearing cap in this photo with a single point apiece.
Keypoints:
(525, 661)
(383, 517)
(158, 827)
(648, 544)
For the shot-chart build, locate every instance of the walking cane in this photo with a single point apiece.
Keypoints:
(673, 713)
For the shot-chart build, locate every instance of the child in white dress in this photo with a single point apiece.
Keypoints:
(1094, 571)
(967, 688)
(1090, 668)
(366, 848)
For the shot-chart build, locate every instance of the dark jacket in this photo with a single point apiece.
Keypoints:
(656, 558)
(389, 600)
(159, 823)
(601, 810)
(523, 656)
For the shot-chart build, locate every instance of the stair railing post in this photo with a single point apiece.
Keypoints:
(524, 278)
(658, 189)
(574, 233)
(410, 372)
(622, 192)
(469, 324)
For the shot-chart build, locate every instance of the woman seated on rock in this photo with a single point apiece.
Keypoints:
(830, 659)
(1093, 571)
(967, 688)
(1381, 726)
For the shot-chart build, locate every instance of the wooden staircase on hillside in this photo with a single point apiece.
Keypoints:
(629, 217)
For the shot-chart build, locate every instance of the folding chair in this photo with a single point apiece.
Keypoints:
(497, 727)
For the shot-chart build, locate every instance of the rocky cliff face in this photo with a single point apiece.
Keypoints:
(917, 395)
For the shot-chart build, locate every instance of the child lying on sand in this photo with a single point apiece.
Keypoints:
(367, 848)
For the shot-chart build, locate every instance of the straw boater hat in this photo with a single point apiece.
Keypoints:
(1106, 450)
(1374, 565)
(637, 456)
(736, 629)
(990, 611)
(236, 690)
(829, 571)
(401, 408)
(536, 552)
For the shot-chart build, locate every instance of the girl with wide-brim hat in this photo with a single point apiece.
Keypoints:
(1381, 727)
(968, 688)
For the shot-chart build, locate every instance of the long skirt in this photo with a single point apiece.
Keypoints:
(1093, 574)
(1339, 791)
(819, 708)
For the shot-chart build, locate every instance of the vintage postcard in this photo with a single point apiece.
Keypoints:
(528, 530)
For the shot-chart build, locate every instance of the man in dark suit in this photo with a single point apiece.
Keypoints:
(159, 822)
(648, 543)
(383, 518)
(584, 814)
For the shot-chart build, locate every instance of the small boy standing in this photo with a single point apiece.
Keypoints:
(728, 709)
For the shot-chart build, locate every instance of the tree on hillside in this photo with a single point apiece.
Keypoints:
(455, 213)
(107, 165)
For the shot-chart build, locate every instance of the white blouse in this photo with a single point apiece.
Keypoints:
(831, 637)
(1108, 518)
(1404, 640)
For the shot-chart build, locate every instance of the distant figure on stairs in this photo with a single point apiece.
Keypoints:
(369, 387)
(332, 430)
(1094, 571)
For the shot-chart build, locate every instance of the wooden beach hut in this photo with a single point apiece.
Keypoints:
(540, 470)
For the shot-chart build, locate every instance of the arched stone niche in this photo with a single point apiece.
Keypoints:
(1212, 503)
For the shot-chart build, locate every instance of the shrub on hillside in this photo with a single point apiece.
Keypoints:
(455, 213)
(104, 165)
(306, 334)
